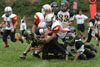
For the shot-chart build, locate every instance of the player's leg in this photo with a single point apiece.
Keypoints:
(82, 31)
(23, 55)
(5, 35)
(82, 57)
(89, 54)
(36, 53)
(89, 36)
(79, 30)
(13, 39)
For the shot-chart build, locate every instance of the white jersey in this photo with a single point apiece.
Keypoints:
(57, 28)
(23, 25)
(93, 23)
(72, 49)
(9, 21)
(80, 18)
(64, 17)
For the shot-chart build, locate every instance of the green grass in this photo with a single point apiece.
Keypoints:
(9, 57)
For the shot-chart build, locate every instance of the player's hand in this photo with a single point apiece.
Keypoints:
(12, 30)
(43, 41)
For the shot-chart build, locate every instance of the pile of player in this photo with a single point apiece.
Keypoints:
(50, 25)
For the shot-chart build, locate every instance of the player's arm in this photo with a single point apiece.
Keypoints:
(14, 23)
(54, 31)
(70, 19)
(93, 30)
(76, 57)
(3, 22)
(46, 32)
(80, 49)
(69, 23)
(67, 56)
(51, 37)
(34, 27)
(85, 17)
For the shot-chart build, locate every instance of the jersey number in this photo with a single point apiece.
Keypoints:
(8, 24)
(65, 19)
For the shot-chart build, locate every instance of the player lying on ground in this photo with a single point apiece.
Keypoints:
(76, 48)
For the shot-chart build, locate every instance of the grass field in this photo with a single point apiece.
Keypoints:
(9, 57)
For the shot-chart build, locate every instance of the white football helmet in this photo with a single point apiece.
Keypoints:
(46, 7)
(50, 18)
(7, 9)
(42, 25)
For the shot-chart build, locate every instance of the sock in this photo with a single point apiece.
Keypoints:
(36, 52)
(25, 53)
(17, 38)
(6, 43)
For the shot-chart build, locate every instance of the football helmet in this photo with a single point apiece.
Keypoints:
(49, 18)
(42, 25)
(97, 16)
(46, 8)
(70, 38)
(54, 4)
(64, 5)
(7, 9)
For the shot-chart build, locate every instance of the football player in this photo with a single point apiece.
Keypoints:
(64, 15)
(10, 21)
(53, 28)
(94, 28)
(76, 48)
(38, 17)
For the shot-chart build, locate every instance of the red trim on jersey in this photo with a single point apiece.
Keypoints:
(48, 29)
(56, 29)
(3, 20)
(14, 20)
(36, 19)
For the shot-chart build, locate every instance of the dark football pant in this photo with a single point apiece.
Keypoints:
(22, 32)
(90, 36)
(52, 47)
(12, 35)
(86, 55)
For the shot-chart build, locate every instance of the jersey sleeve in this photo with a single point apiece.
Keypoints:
(56, 29)
(3, 19)
(85, 17)
(91, 22)
(66, 51)
(14, 20)
(36, 19)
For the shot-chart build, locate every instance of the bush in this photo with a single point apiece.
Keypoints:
(2, 6)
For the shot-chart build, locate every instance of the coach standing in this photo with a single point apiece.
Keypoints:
(80, 18)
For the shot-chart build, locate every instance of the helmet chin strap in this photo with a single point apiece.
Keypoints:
(7, 15)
